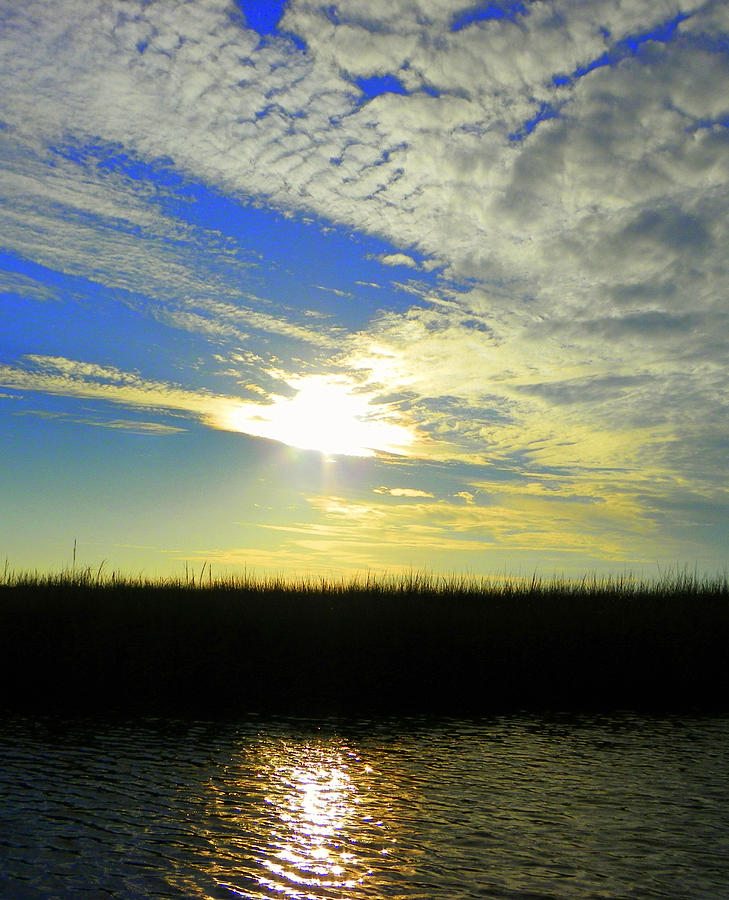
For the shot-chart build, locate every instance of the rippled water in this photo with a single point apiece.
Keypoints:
(526, 807)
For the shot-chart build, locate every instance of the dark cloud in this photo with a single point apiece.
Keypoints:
(672, 227)
(585, 391)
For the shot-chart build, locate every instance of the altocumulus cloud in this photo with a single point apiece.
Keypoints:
(565, 163)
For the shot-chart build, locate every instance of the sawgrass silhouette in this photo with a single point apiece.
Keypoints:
(87, 641)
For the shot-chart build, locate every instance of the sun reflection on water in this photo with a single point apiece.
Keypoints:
(308, 818)
(317, 805)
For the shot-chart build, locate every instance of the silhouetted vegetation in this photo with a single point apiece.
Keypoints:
(86, 641)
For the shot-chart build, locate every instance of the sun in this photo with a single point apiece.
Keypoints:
(327, 414)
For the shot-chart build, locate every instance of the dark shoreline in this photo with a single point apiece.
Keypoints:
(82, 644)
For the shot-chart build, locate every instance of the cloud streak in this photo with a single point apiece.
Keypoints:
(325, 414)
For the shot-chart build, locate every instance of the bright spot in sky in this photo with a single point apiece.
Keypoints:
(327, 414)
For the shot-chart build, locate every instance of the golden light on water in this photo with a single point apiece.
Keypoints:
(317, 809)
(327, 414)
(299, 818)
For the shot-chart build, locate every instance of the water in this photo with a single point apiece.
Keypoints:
(519, 806)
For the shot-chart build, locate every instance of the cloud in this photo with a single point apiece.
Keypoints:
(221, 320)
(334, 291)
(25, 286)
(78, 379)
(513, 522)
(190, 321)
(404, 492)
(568, 170)
(481, 216)
(398, 259)
(452, 152)
(330, 415)
(325, 336)
(133, 425)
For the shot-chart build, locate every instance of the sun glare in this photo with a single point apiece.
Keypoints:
(322, 831)
(326, 415)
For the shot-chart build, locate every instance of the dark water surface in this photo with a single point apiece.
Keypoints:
(516, 806)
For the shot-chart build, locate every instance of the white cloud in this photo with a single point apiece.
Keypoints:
(222, 314)
(398, 259)
(404, 492)
(190, 321)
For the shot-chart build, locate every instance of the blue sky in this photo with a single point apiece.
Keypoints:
(315, 288)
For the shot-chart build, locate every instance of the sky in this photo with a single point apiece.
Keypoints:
(329, 289)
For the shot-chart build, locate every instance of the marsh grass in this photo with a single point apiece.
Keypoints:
(86, 639)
